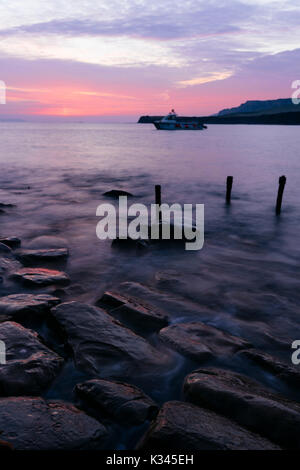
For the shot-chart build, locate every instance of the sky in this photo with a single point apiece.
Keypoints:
(118, 59)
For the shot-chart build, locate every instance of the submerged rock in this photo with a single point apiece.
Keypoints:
(133, 311)
(4, 249)
(282, 370)
(200, 341)
(23, 305)
(30, 366)
(97, 339)
(41, 276)
(46, 242)
(187, 427)
(41, 255)
(36, 424)
(125, 403)
(246, 402)
(12, 242)
(116, 193)
(130, 244)
(2, 204)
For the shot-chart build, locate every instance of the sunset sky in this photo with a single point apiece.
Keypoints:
(118, 59)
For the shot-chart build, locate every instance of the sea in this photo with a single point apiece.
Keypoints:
(245, 280)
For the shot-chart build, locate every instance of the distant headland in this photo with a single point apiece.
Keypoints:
(280, 111)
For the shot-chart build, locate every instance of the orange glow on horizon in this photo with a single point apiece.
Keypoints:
(65, 100)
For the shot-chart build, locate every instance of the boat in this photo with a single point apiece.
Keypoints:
(171, 122)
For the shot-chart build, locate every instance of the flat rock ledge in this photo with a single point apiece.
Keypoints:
(97, 339)
(133, 311)
(246, 402)
(30, 366)
(188, 427)
(29, 257)
(35, 424)
(41, 276)
(17, 306)
(283, 371)
(123, 402)
(201, 342)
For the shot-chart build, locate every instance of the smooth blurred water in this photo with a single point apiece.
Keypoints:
(246, 278)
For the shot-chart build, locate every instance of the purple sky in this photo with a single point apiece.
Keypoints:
(118, 59)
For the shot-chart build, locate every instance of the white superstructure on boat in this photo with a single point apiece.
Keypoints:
(171, 123)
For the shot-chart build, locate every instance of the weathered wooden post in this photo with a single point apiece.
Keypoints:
(158, 200)
(228, 188)
(282, 181)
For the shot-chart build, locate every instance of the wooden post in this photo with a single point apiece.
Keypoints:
(282, 181)
(229, 188)
(158, 200)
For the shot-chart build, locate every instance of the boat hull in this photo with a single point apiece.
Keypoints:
(177, 126)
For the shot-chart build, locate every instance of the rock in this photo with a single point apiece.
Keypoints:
(116, 193)
(36, 256)
(200, 341)
(247, 403)
(22, 305)
(12, 242)
(46, 242)
(111, 300)
(5, 446)
(130, 244)
(97, 339)
(125, 403)
(30, 366)
(133, 312)
(4, 248)
(35, 424)
(283, 371)
(2, 204)
(41, 276)
(187, 427)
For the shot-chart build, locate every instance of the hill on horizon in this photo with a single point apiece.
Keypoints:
(256, 107)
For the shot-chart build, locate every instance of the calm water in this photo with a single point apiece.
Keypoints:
(246, 278)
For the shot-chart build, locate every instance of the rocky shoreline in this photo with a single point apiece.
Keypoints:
(124, 336)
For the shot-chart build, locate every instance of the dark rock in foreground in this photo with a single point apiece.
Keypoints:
(35, 424)
(30, 366)
(187, 427)
(116, 193)
(125, 403)
(41, 276)
(97, 339)
(16, 306)
(5, 445)
(36, 256)
(200, 341)
(285, 372)
(12, 242)
(133, 311)
(246, 402)
(112, 300)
